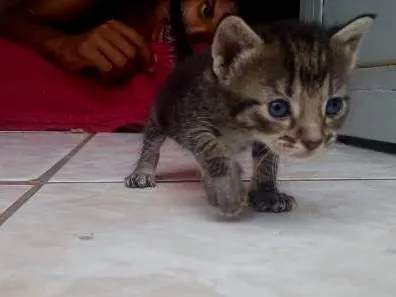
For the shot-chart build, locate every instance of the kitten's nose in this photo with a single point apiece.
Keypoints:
(311, 144)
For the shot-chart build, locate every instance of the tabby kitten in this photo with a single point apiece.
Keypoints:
(280, 89)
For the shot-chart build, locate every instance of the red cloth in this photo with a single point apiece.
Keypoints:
(35, 95)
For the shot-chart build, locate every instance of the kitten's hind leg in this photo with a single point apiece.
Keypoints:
(144, 174)
(264, 195)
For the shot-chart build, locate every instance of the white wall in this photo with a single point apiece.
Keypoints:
(373, 88)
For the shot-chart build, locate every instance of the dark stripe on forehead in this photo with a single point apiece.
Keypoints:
(306, 60)
(290, 64)
(313, 60)
(306, 56)
(306, 52)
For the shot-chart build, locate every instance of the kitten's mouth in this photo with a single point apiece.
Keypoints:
(296, 151)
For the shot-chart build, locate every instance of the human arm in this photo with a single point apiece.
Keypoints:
(110, 48)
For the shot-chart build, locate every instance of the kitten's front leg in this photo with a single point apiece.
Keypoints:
(226, 191)
(143, 175)
(264, 195)
(222, 175)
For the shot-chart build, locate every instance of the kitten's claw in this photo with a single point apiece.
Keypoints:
(271, 201)
(136, 180)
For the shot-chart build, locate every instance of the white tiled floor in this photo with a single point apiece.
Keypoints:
(101, 239)
(109, 157)
(25, 156)
(10, 193)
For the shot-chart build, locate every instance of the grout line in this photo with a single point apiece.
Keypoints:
(36, 182)
(340, 179)
(41, 181)
(380, 64)
(10, 211)
(19, 183)
(244, 180)
(18, 204)
(46, 176)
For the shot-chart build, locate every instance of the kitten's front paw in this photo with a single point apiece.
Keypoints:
(136, 180)
(228, 196)
(233, 208)
(264, 200)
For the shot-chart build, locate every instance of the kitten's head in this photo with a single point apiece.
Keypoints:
(291, 79)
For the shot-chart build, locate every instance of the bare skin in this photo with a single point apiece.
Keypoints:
(112, 49)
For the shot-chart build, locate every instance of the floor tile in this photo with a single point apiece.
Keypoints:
(9, 194)
(109, 157)
(97, 239)
(25, 156)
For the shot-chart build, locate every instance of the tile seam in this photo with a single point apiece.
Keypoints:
(38, 183)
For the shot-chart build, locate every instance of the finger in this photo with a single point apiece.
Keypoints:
(117, 58)
(99, 60)
(135, 39)
(131, 64)
(114, 37)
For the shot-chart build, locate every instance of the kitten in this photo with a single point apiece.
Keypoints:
(280, 89)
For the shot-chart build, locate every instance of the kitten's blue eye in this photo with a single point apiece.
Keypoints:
(334, 106)
(279, 108)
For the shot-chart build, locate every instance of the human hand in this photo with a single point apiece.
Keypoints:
(112, 49)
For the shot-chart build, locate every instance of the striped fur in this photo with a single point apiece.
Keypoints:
(216, 105)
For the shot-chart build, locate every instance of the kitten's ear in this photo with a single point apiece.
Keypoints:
(349, 37)
(233, 40)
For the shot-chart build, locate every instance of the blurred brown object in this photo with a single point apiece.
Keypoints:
(6, 3)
